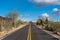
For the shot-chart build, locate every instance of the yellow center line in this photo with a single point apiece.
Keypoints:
(29, 33)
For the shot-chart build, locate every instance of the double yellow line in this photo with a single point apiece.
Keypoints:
(29, 33)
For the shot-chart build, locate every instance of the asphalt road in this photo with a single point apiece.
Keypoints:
(30, 32)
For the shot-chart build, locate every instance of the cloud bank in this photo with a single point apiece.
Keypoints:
(45, 2)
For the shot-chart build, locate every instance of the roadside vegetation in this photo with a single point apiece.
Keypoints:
(49, 25)
(10, 22)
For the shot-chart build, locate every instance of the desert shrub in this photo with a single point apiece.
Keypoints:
(46, 27)
(50, 28)
(38, 23)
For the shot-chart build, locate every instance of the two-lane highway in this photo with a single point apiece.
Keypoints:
(30, 32)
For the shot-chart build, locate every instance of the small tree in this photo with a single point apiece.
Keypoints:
(46, 21)
(13, 15)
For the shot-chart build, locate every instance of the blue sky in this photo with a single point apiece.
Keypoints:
(27, 9)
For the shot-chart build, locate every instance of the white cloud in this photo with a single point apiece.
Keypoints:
(45, 15)
(46, 1)
(55, 9)
(50, 1)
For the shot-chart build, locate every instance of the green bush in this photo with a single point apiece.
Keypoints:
(38, 23)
